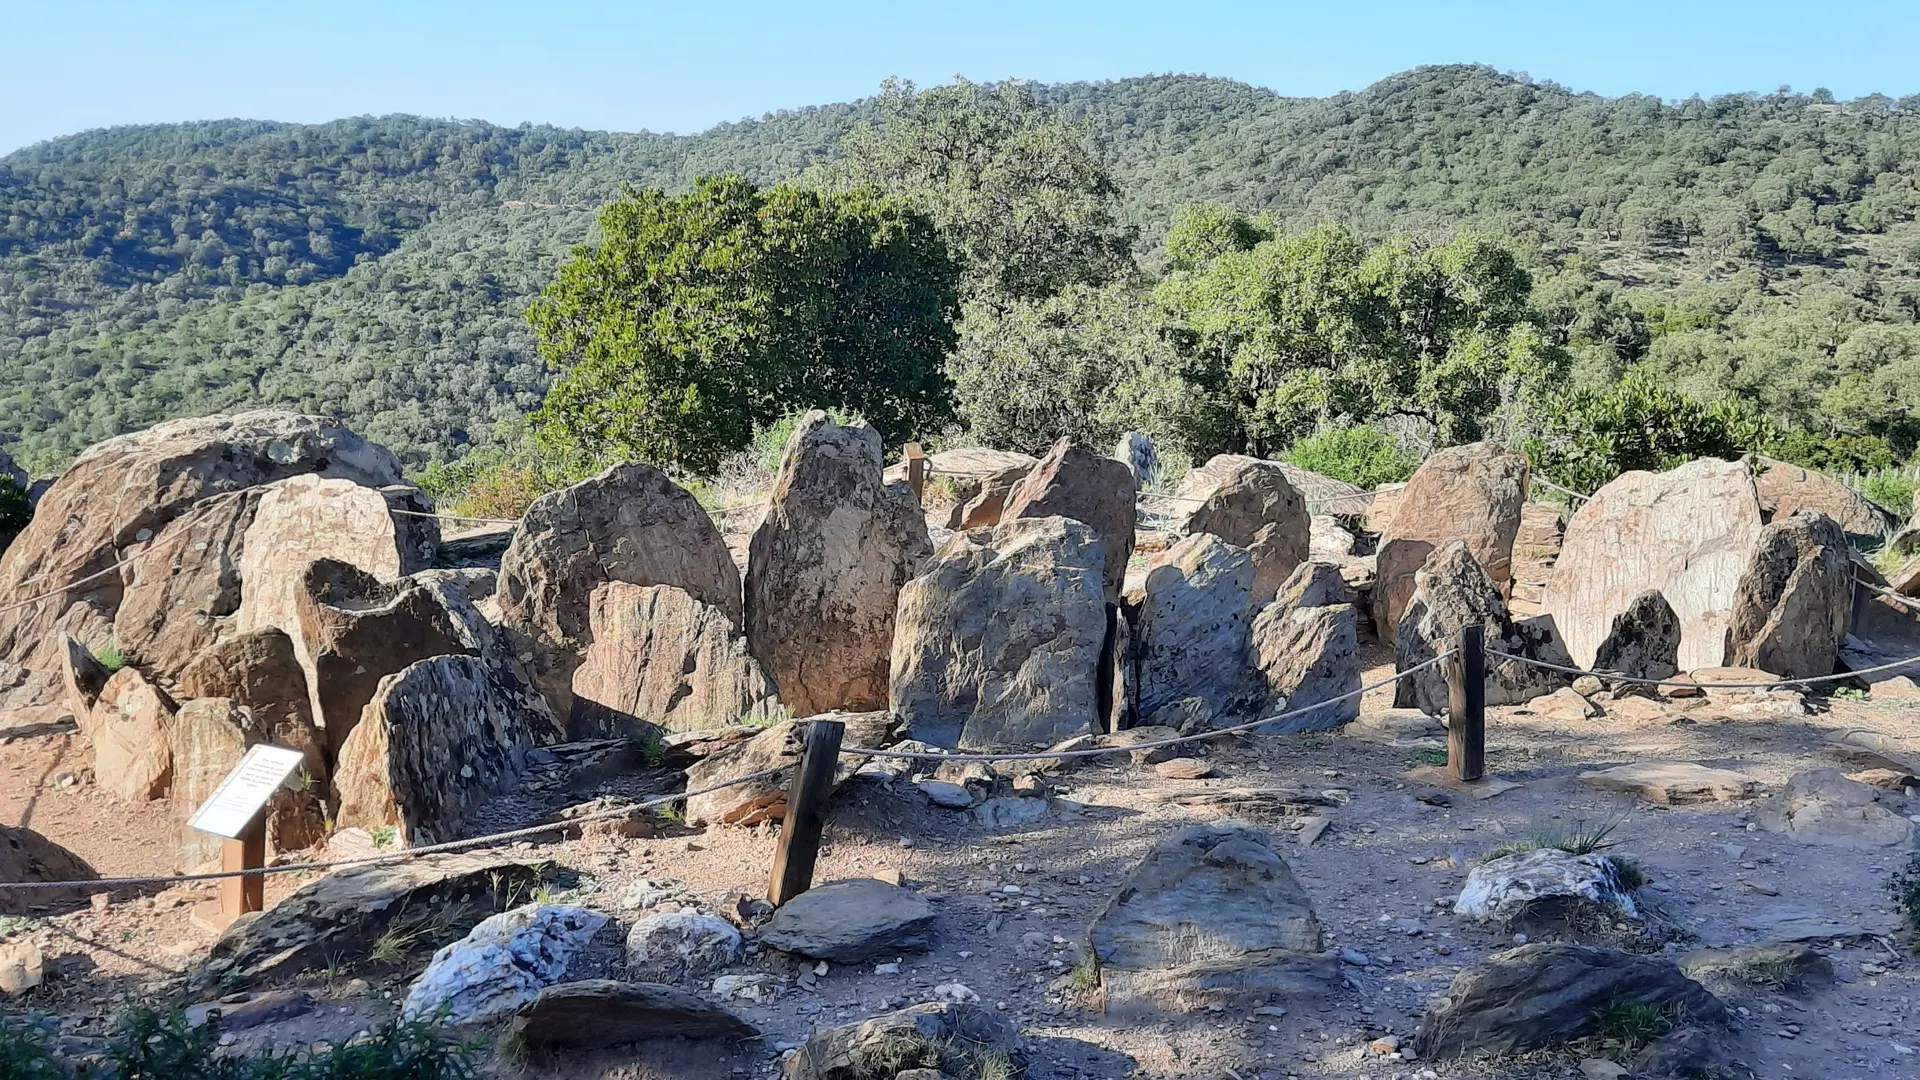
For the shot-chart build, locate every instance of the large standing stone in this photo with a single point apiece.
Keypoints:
(124, 491)
(25, 855)
(1550, 995)
(1453, 592)
(998, 642)
(1193, 629)
(184, 597)
(1136, 452)
(438, 740)
(825, 568)
(660, 658)
(1251, 504)
(851, 921)
(1685, 534)
(1643, 643)
(1786, 490)
(777, 748)
(1306, 648)
(1472, 494)
(630, 523)
(260, 672)
(1075, 482)
(960, 1039)
(130, 728)
(602, 1012)
(1795, 599)
(502, 965)
(358, 630)
(1211, 916)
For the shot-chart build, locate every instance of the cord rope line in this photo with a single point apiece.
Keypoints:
(1912, 603)
(1538, 479)
(1777, 683)
(452, 517)
(396, 856)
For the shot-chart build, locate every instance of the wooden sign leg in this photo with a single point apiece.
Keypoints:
(238, 895)
(807, 799)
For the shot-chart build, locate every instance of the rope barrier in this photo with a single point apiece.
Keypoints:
(1056, 755)
(397, 856)
(452, 517)
(1776, 684)
(1910, 602)
(119, 565)
(1538, 479)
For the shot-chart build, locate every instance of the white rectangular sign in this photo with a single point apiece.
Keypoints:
(240, 797)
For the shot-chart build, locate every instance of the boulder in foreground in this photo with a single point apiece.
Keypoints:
(851, 921)
(603, 1012)
(959, 1039)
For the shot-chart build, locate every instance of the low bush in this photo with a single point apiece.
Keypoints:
(1363, 456)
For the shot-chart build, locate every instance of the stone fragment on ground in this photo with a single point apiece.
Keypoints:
(1821, 806)
(502, 964)
(603, 1012)
(1505, 889)
(1409, 728)
(963, 1039)
(22, 966)
(681, 945)
(1765, 966)
(1211, 916)
(1676, 783)
(850, 922)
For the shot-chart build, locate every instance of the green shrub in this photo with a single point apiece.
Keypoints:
(111, 656)
(1905, 888)
(14, 511)
(1891, 490)
(1363, 456)
(160, 1046)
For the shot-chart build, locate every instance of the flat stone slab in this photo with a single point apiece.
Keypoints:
(604, 1012)
(1672, 783)
(849, 922)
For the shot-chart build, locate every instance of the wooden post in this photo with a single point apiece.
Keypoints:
(807, 798)
(238, 895)
(916, 470)
(1467, 706)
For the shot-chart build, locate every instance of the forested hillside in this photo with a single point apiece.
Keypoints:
(1763, 247)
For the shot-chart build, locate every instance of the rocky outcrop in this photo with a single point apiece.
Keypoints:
(777, 748)
(1642, 643)
(630, 523)
(438, 740)
(661, 659)
(825, 567)
(1472, 494)
(126, 491)
(184, 595)
(960, 1039)
(358, 630)
(1794, 601)
(998, 642)
(1192, 641)
(851, 921)
(983, 508)
(341, 915)
(1251, 504)
(130, 727)
(1786, 490)
(1452, 592)
(25, 855)
(1077, 483)
(1685, 534)
(502, 965)
(1211, 916)
(1306, 648)
(602, 1012)
(1549, 995)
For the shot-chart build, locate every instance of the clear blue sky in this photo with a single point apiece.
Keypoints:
(69, 65)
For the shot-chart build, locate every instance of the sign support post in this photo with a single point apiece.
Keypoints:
(237, 813)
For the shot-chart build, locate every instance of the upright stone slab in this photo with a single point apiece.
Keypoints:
(124, 492)
(208, 738)
(661, 659)
(997, 644)
(260, 673)
(630, 523)
(1643, 643)
(1786, 490)
(1193, 630)
(1306, 648)
(130, 728)
(825, 567)
(1450, 593)
(1136, 452)
(1685, 534)
(185, 597)
(437, 742)
(1251, 504)
(1077, 483)
(1794, 601)
(1472, 494)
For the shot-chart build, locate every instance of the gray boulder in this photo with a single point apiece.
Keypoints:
(1504, 889)
(1193, 629)
(1306, 648)
(1077, 483)
(502, 965)
(1211, 916)
(1795, 599)
(851, 921)
(961, 1040)
(1643, 643)
(680, 945)
(1450, 593)
(1251, 504)
(1821, 806)
(1549, 995)
(602, 1012)
(1136, 452)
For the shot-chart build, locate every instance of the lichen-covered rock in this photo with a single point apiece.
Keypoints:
(1306, 647)
(1642, 643)
(1077, 483)
(825, 567)
(998, 642)
(661, 659)
(1194, 621)
(778, 747)
(1685, 534)
(630, 523)
(130, 727)
(1211, 916)
(1794, 601)
(439, 739)
(962, 1038)
(1452, 592)
(851, 921)
(25, 855)
(501, 966)
(678, 945)
(125, 491)
(1250, 504)
(357, 630)
(1472, 494)
(1502, 890)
